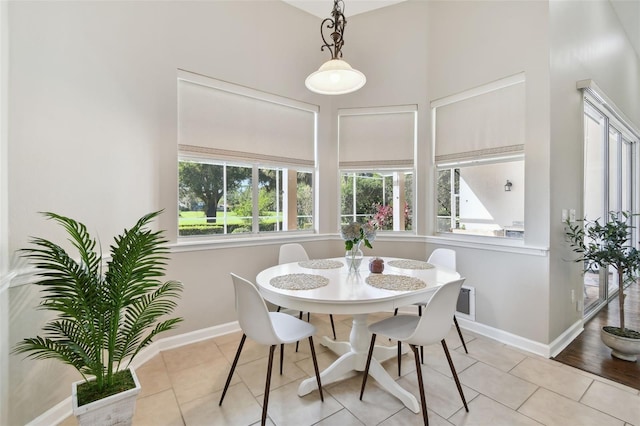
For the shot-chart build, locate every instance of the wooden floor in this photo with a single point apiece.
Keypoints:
(587, 352)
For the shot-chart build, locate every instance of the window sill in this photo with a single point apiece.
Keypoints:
(501, 244)
(187, 244)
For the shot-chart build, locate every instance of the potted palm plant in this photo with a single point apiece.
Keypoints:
(609, 245)
(104, 316)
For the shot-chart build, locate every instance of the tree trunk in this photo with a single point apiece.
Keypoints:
(211, 209)
(621, 297)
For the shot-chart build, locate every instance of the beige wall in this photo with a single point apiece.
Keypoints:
(92, 114)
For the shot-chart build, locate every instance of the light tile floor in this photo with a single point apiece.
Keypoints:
(503, 386)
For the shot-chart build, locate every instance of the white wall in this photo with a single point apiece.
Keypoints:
(4, 211)
(587, 42)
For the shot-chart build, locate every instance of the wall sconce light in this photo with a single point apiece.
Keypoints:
(335, 77)
(507, 186)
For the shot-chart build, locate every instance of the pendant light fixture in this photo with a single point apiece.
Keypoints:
(335, 77)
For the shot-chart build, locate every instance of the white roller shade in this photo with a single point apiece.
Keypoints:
(374, 137)
(486, 121)
(225, 120)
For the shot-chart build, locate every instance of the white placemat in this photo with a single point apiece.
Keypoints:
(409, 264)
(321, 264)
(298, 281)
(395, 282)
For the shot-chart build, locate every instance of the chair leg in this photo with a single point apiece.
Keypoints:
(308, 316)
(315, 367)
(455, 375)
(281, 356)
(365, 374)
(423, 400)
(455, 321)
(395, 312)
(233, 367)
(421, 347)
(267, 385)
(399, 357)
(279, 307)
(299, 317)
(333, 327)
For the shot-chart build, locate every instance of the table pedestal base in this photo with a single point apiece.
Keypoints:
(353, 357)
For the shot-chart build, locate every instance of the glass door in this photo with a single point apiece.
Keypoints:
(608, 178)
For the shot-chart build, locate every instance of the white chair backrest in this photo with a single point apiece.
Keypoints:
(437, 316)
(292, 252)
(253, 314)
(443, 257)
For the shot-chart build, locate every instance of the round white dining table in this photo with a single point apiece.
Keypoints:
(347, 292)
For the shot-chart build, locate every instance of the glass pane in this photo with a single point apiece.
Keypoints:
(594, 197)
(238, 212)
(385, 197)
(626, 174)
(614, 170)
(200, 195)
(304, 200)
(408, 201)
(271, 199)
(445, 216)
(473, 200)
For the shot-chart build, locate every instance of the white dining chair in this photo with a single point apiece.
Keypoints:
(445, 258)
(294, 252)
(423, 330)
(267, 328)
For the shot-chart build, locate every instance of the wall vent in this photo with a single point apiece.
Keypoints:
(466, 307)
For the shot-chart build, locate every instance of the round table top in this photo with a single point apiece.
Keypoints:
(338, 291)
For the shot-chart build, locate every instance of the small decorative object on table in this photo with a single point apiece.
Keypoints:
(376, 265)
(354, 234)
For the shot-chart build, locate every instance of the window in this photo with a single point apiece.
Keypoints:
(218, 198)
(479, 158)
(383, 196)
(472, 199)
(376, 147)
(241, 171)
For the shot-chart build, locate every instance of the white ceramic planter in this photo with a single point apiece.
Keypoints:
(113, 410)
(621, 347)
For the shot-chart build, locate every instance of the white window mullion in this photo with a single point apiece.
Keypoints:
(255, 194)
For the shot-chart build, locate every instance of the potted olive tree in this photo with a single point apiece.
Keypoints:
(104, 315)
(609, 244)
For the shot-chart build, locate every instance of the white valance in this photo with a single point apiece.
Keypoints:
(483, 122)
(222, 119)
(377, 137)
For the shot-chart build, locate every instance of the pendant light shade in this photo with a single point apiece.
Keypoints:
(335, 77)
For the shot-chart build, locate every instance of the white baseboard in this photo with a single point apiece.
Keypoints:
(565, 338)
(506, 337)
(58, 413)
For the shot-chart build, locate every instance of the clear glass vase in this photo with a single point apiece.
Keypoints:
(354, 257)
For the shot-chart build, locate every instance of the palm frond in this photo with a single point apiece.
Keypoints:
(141, 315)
